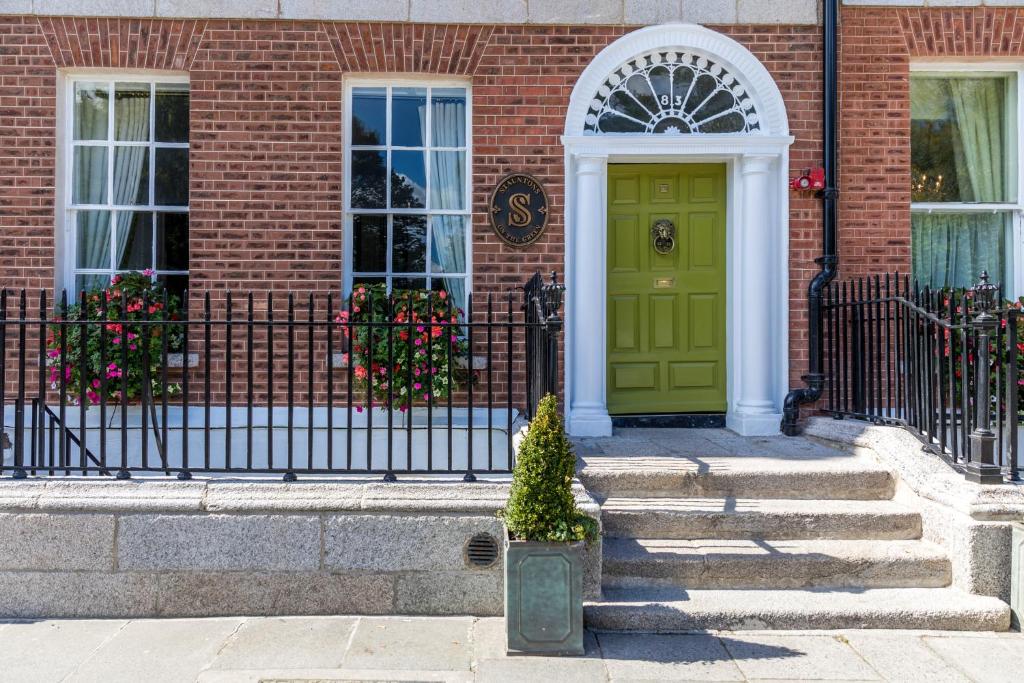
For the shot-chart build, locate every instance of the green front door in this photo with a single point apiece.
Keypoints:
(666, 311)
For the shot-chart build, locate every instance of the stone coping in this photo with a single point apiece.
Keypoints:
(248, 496)
(926, 474)
(606, 12)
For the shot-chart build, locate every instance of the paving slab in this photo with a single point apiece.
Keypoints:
(411, 644)
(667, 657)
(994, 660)
(155, 651)
(901, 657)
(313, 643)
(493, 664)
(824, 657)
(50, 650)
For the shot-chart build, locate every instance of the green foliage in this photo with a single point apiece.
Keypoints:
(116, 357)
(541, 506)
(418, 329)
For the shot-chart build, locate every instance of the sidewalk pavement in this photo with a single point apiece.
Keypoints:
(321, 649)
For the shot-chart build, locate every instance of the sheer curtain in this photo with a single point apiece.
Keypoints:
(90, 181)
(131, 122)
(951, 249)
(448, 187)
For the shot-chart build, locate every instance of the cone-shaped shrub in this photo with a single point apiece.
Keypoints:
(541, 506)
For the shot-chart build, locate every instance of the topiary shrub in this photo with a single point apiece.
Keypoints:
(541, 505)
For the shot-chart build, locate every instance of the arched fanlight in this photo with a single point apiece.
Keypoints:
(672, 92)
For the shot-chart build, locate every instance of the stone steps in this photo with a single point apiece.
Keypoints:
(774, 564)
(846, 477)
(767, 519)
(674, 610)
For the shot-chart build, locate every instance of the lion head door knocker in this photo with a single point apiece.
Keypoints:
(663, 234)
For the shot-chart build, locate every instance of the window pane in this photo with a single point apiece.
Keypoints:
(174, 284)
(951, 249)
(171, 187)
(408, 180)
(408, 117)
(448, 244)
(131, 111)
(172, 241)
(92, 239)
(364, 280)
(369, 244)
(454, 287)
(400, 283)
(448, 117)
(131, 175)
(89, 184)
(959, 140)
(134, 244)
(409, 244)
(90, 281)
(92, 102)
(448, 180)
(369, 116)
(172, 112)
(369, 179)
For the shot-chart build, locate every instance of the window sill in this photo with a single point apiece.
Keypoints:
(479, 362)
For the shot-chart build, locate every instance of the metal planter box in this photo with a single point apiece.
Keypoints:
(543, 598)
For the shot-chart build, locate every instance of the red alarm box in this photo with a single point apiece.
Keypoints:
(810, 179)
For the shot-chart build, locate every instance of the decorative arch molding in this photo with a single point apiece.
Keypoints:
(699, 41)
(756, 155)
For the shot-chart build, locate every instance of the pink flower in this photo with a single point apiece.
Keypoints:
(132, 347)
(148, 272)
(417, 386)
(419, 342)
(93, 396)
(426, 397)
(96, 384)
(416, 372)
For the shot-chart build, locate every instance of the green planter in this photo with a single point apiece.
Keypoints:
(543, 598)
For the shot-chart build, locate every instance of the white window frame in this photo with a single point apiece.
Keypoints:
(348, 237)
(1015, 209)
(67, 248)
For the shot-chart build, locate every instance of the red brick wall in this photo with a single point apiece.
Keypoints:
(266, 152)
(878, 45)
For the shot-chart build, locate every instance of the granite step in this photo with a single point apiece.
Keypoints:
(774, 564)
(676, 610)
(841, 477)
(751, 518)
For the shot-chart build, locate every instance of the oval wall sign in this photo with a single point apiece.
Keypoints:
(519, 209)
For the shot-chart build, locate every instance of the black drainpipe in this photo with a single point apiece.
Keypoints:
(829, 259)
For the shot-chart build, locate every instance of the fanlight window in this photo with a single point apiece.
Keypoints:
(673, 93)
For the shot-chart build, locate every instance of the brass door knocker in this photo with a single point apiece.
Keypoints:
(663, 234)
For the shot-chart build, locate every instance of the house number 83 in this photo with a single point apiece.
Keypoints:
(677, 100)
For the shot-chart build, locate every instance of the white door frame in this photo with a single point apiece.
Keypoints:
(757, 233)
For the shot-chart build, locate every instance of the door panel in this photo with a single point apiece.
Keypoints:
(666, 312)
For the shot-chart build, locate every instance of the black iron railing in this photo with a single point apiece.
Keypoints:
(944, 364)
(380, 384)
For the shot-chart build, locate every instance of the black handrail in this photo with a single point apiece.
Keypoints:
(943, 364)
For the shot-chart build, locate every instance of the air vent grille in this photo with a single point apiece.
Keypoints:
(482, 550)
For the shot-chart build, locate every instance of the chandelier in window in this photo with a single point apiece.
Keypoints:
(672, 92)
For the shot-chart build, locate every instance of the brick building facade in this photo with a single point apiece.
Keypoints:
(268, 167)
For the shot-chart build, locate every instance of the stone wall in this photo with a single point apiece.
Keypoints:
(149, 548)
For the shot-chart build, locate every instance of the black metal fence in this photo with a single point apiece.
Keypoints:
(944, 364)
(383, 384)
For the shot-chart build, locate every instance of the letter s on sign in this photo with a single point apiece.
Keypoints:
(519, 214)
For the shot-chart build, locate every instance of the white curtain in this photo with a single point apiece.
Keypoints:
(448, 190)
(979, 108)
(131, 122)
(90, 180)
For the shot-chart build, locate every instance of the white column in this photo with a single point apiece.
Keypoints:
(588, 411)
(755, 411)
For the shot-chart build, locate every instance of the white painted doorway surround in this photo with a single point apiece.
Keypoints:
(757, 230)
